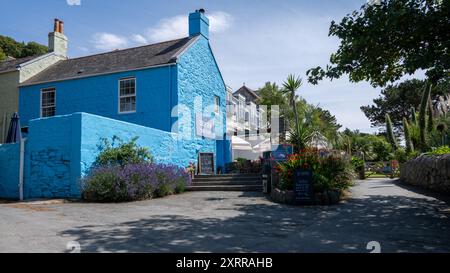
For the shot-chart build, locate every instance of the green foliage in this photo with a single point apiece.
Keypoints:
(330, 171)
(163, 190)
(357, 163)
(382, 149)
(122, 153)
(372, 147)
(408, 140)
(423, 118)
(12, 48)
(443, 150)
(270, 95)
(414, 117)
(401, 100)
(401, 155)
(382, 42)
(104, 186)
(430, 123)
(2, 55)
(390, 133)
(291, 85)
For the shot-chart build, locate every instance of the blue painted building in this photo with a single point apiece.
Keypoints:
(174, 86)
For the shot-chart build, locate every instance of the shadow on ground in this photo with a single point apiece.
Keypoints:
(400, 224)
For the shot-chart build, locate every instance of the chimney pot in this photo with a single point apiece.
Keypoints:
(61, 27)
(56, 25)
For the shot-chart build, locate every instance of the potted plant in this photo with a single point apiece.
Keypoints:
(191, 169)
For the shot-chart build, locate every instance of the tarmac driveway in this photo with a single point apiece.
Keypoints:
(399, 218)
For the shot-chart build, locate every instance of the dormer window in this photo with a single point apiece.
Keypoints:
(127, 95)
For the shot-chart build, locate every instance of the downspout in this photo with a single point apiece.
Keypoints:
(21, 168)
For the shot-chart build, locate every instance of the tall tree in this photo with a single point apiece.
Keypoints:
(408, 140)
(423, 117)
(390, 133)
(291, 85)
(382, 42)
(399, 100)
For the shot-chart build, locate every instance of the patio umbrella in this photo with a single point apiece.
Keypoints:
(14, 134)
(240, 144)
(263, 146)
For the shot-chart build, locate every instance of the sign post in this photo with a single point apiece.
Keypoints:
(303, 187)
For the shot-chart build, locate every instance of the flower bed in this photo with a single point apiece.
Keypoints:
(134, 182)
(332, 176)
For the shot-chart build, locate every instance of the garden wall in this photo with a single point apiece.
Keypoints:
(9, 171)
(61, 149)
(430, 172)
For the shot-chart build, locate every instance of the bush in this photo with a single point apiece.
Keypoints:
(400, 155)
(134, 182)
(121, 153)
(357, 163)
(440, 151)
(330, 171)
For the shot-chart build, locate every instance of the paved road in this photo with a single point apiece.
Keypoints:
(401, 219)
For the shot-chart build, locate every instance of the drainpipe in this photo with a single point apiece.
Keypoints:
(21, 164)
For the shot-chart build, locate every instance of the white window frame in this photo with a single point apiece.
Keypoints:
(216, 104)
(126, 96)
(47, 89)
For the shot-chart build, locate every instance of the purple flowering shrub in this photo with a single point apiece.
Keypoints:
(131, 182)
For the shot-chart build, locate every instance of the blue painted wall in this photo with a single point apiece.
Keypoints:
(99, 95)
(196, 75)
(51, 156)
(162, 145)
(60, 150)
(9, 171)
(200, 77)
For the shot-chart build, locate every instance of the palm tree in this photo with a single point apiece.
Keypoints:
(291, 85)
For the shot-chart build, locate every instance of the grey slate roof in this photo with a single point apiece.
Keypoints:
(114, 61)
(248, 93)
(11, 65)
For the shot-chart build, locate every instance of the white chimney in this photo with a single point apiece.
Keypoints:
(57, 41)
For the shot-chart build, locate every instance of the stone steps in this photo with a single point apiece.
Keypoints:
(225, 188)
(228, 182)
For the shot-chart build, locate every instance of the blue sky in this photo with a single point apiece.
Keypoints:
(254, 41)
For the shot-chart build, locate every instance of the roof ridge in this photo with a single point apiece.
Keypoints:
(125, 49)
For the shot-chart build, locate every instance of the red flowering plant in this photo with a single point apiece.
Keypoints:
(306, 159)
(331, 171)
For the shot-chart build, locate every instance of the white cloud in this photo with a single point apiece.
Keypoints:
(178, 26)
(139, 39)
(73, 2)
(108, 41)
(220, 21)
(169, 28)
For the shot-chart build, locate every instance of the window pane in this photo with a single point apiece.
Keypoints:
(127, 98)
(48, 102)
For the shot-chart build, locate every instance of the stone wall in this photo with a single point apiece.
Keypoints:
(429, 172)
(9, 171)
(51, 155)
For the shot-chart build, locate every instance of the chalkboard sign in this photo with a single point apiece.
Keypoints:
(206, 163)
(303, 187)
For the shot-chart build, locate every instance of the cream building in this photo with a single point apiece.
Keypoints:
(15, 71)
